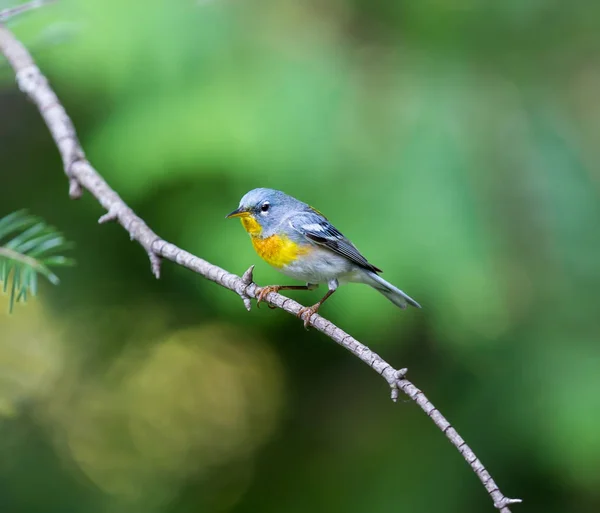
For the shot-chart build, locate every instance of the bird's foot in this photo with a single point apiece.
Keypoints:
(306, 313)
(264, 292)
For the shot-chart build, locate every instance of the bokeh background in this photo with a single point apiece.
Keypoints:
(457, 143)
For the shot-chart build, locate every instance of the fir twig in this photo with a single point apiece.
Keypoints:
(28, 247)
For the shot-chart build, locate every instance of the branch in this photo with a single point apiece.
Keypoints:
(5, 14)
(19, 257)
(82, 175)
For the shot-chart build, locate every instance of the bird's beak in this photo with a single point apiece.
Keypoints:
(238, 212)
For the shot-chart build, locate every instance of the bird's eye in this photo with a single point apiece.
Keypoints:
(265, 206)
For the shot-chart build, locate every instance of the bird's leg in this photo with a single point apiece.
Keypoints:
(307, 312)
(264, 291)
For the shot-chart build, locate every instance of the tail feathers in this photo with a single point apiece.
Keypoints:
(395, 295)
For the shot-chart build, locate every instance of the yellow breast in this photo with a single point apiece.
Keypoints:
(276, 250)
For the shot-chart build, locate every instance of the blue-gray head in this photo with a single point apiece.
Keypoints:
(262, 210)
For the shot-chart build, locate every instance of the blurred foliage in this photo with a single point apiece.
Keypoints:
(454, 142)
(30, 250)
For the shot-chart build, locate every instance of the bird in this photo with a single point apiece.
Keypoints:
(300, 242)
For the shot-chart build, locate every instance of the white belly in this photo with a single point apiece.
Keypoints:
(319, 266)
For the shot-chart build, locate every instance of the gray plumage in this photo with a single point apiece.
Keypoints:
(334, 259)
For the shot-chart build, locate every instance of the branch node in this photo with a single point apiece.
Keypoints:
(75, 189)
(111, 215)
(28, 78)
(248, 276)
(398, 375)
(505, 501)
(155, 262)
(401, 373)
(247, 280)
(247, 303)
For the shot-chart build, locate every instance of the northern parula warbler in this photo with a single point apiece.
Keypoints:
(301, 243)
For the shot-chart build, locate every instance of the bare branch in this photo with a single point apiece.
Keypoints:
(82, 175)
(11, 12)
(247, 279)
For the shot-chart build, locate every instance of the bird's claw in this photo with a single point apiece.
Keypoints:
(306, 313)
(264, 292)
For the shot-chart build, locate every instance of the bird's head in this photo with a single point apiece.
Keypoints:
(262, 210)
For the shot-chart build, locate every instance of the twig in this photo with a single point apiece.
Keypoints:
(82, 175)
(19, 257)
(5, 14)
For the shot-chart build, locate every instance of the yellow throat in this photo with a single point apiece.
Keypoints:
(251, 225)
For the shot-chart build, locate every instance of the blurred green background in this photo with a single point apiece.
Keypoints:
(456, 143)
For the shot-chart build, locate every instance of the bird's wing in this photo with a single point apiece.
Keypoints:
(321, 232)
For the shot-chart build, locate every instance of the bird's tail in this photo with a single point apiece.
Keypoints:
(394, 294)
